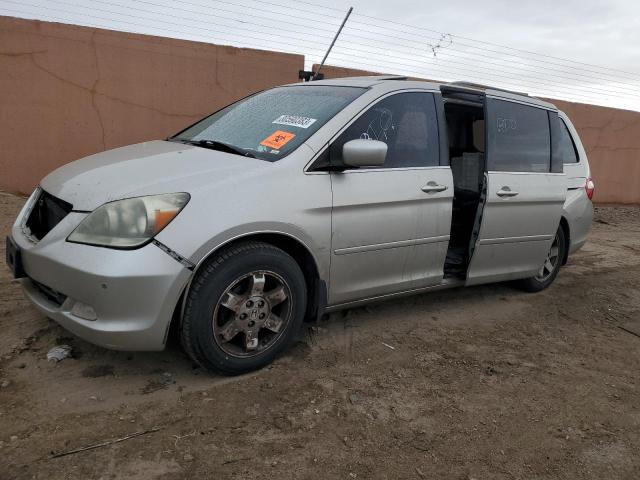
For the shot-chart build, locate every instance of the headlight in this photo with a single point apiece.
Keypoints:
(129, 223)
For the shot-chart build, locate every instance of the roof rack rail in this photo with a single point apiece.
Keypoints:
(390, 77)
(486, 87)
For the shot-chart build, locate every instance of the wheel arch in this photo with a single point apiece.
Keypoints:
(299, 251)
(564, 224)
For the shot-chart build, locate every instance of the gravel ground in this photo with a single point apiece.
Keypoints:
(478, 383)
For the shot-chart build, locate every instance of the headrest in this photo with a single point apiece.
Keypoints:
(478, 135)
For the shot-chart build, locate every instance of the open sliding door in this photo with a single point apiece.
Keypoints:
(524, 195)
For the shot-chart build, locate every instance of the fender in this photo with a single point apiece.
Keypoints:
(320, 291)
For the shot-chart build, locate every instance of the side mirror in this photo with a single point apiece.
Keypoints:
(364, 153)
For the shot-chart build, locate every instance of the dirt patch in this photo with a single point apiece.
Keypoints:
(485, 382)
(96, 371)
(158, 383)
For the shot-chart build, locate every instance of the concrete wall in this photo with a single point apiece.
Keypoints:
(69, 91)
(610, 136)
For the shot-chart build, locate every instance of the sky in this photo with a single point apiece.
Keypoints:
(577, 50)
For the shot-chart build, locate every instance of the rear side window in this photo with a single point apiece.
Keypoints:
(568, 150)
(519, 137)
(406, 122)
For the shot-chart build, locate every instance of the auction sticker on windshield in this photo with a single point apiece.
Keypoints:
(294, 121)
(278, 139)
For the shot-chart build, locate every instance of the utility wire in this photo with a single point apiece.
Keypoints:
(616, 88)
(439, 69)
(422, 66)
(405, 25)
(508, 58)
(469, 60)
(58, 10)
(291, 7)
(537, 86)
(395, 36)
(584, 89)
(403, 65)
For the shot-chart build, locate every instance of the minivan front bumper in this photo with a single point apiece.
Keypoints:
(118, 299)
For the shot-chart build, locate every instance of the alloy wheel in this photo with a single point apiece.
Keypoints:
(551, 262)
(252, 313)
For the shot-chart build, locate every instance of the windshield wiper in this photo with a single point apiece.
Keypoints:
(220, 146)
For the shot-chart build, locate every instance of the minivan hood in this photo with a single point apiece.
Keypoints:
(144, 169)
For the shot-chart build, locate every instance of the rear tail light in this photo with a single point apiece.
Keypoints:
(589, 187)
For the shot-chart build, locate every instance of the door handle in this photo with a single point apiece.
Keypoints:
(506, 192)
(433, 187)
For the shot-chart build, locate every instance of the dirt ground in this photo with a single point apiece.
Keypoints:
(478, 383)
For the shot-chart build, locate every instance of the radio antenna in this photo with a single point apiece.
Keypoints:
(334, 41)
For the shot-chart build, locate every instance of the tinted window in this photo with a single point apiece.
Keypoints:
(556, 136)
(568, 150)
(274, 122)
(406, 122)
(519, 138)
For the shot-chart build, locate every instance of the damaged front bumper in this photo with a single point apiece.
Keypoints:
(118, 299)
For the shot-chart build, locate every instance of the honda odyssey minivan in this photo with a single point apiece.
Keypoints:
(302, 200)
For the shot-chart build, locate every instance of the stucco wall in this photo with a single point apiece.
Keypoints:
(610, 136)
(69, 91)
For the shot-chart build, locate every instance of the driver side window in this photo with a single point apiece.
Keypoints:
(406, 122)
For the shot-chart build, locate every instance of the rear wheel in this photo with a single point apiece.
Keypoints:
(551, 266)
(244, 307)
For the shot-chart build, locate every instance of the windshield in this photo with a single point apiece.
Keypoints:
(270, 124)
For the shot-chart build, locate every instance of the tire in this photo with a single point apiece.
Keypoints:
(547, 276)
(245, 307)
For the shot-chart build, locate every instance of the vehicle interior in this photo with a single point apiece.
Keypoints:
(466, 135)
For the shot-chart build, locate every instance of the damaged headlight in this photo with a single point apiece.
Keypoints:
(129, 223)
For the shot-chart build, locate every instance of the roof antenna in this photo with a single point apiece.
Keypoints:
(315, 76)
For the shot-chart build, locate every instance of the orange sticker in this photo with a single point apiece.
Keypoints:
(278, 139)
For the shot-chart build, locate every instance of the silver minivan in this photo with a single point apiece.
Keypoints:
(302, 200)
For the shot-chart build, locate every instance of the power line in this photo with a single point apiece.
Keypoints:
(502, 77)
(453, 47)
(399, 36)
(539, 91)
(144, 27)
(404, 65)
(347, 33)
(635, 74)
(136, 17)
(495, 73)
(217, 16)
(482, 66)
(635, 89)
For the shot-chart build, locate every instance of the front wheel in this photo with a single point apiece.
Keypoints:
(244, 307)
(550, 268)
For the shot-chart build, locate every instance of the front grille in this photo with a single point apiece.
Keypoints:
(53, 295)
(47, 212)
